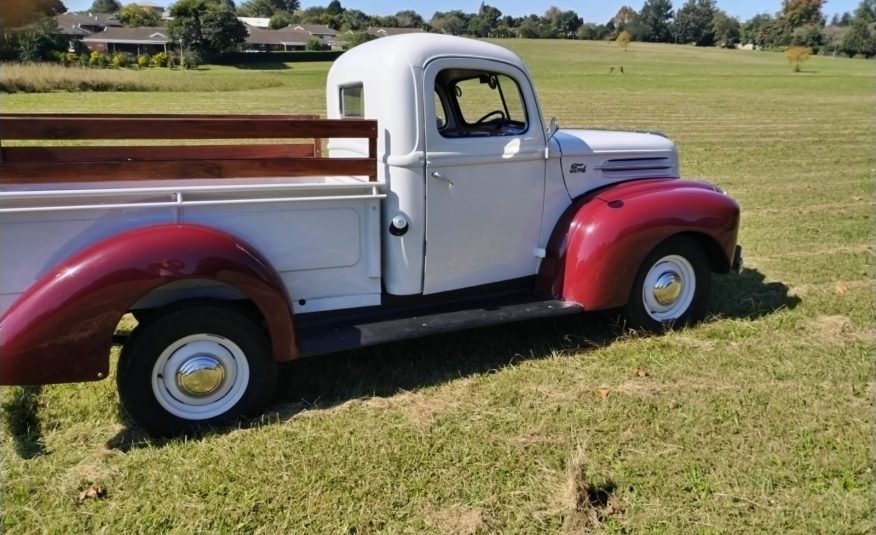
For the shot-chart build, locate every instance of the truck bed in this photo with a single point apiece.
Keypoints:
(316, 219)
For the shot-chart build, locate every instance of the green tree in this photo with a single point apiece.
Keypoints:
(809, 36)
(313, 45)
(865, 12)
(206, 25)
(280, 19)
(859, 40)
(266, 8)
(655, 22)
(562, 23)
(357, 38)
(354, 20)
(409, 19)
(693, 22)
(36, 41)
(134, 15)
(105, 6)
(18, 13)
(726, 29)
(452, 22)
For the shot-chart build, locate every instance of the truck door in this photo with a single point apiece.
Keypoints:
(485, 172)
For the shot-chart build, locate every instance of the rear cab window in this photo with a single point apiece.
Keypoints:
(352, 101)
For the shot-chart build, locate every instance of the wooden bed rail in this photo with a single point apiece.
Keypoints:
(48, 163)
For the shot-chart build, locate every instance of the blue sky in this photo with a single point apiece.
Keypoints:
(600, 11)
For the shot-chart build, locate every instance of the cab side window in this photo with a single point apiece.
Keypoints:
(478, 103)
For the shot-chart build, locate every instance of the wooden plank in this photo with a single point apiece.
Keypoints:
(60, 172)
(164, 127)
(156, 153)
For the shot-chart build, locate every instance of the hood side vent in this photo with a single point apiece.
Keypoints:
(637, 167)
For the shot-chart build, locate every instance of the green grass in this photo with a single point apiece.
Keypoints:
(757, 421)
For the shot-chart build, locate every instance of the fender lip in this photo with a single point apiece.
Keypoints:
(61, 329)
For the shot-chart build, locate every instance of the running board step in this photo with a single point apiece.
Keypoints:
(320, 340)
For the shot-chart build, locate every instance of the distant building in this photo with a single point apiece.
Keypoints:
(141, 40)
(74, 26)
(282, 40)
(386, 32)
(256, 22)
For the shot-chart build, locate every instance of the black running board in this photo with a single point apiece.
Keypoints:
(320, 339)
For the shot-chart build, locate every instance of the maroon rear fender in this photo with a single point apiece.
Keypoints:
(598, 244)
(61, 328)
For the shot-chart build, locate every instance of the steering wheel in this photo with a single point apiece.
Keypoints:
(483, 119)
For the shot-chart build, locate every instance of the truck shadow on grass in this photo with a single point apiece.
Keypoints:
(383, 371)
(22, 422)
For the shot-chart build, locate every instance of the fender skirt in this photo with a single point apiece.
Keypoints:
(61, 329)
(600, 241)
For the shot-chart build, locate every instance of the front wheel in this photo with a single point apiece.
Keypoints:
(196, 365)
(671, 288)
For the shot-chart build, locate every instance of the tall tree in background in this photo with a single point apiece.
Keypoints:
(409, 18)
(859, 40)
(267, 8)
(105, 6)
(133, 15)
(206, 25)
(655, 22)
(17, 13)
(803, 12)
(726, 29)
(693, 22)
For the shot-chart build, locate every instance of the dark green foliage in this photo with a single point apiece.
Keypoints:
(693, 22)
(134, 15)
(859, 41)
(206, 26)
(654, 22)
(313, 44)
(105, 6)
(280, 20)
(726, 29)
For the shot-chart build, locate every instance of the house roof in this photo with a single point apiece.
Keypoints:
(386, 32)
(314, 29)
(143, 35)
(255, 22)
(72, 23)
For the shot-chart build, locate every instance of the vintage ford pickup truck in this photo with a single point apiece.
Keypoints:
(443, 203)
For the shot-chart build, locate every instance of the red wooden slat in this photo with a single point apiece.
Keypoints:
(165, 127)
(168, 170)
(152, 153)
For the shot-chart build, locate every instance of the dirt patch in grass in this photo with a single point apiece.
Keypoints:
(589, 498)
(457, 520)
(835, 330)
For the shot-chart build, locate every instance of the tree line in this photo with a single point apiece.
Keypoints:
(209, 26)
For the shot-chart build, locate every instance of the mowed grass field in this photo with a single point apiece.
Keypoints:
(759, 420)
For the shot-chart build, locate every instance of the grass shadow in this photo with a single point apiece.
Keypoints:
(20, 416)
(383, 371)
(747, 295)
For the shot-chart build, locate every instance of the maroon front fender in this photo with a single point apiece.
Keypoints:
(599, 243)
(61, 328)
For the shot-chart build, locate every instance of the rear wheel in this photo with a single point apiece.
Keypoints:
(671, 288)
(196, 365)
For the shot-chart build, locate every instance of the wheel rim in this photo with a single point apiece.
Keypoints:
(669, 288)
(200, 376)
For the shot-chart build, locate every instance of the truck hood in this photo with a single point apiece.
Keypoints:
(595, 158)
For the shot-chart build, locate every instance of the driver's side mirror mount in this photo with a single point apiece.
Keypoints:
(553, 127)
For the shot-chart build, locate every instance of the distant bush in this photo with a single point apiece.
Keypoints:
(122, 60)
(98, 59)
(160, 59)
(143, 61)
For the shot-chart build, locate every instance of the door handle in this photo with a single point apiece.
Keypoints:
(439, 176)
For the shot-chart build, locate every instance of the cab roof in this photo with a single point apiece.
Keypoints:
(418, 49)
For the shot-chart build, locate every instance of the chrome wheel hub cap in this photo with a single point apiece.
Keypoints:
(201, 375)
(668, 288)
